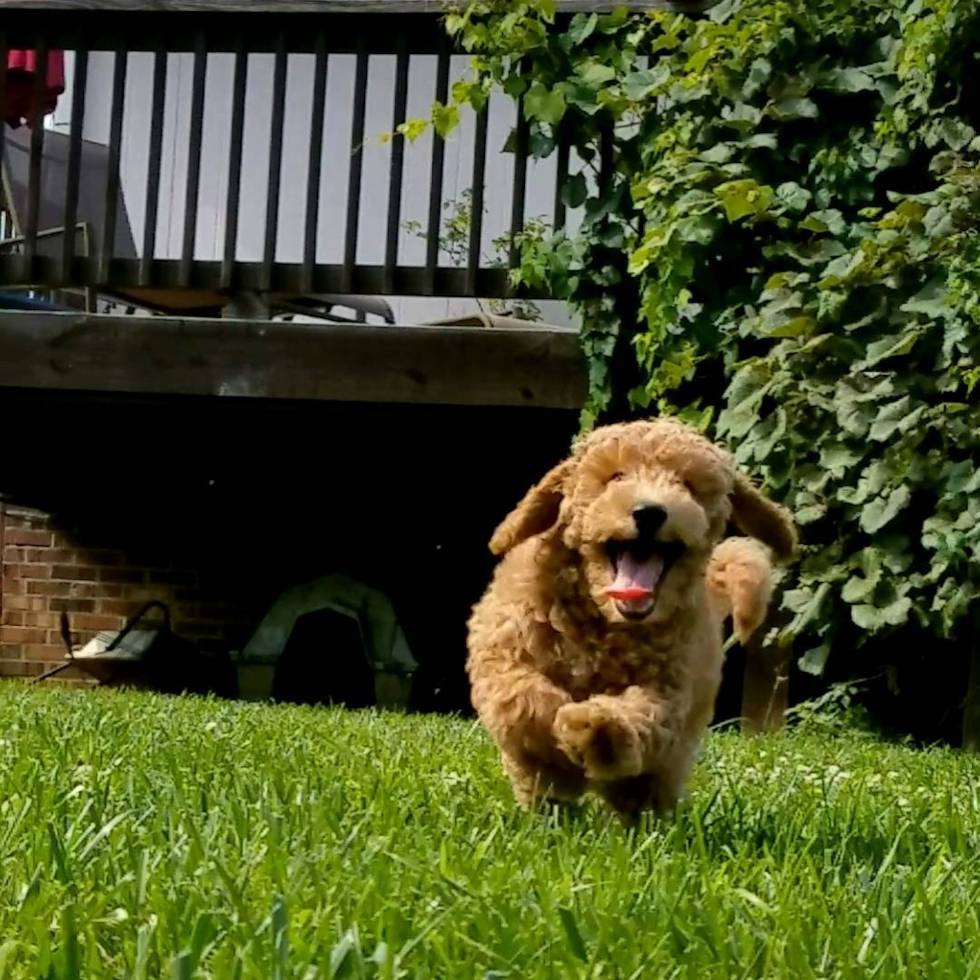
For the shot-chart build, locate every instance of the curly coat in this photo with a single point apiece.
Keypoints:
(583, 690)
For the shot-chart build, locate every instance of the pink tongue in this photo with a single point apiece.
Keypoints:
(637, 577)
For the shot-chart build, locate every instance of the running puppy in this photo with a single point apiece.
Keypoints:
(596, 653)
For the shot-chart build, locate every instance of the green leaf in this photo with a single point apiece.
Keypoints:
(896, 417)
(875, 478)
(610, 23)
(744, 198)
(961, 478)
(741, 116)
(445, 118)
(760, 71)
(548, 106)
(873, 619)
(867, 618)
(412, 129)
(809, 513)
(883, 510)
(701, 229)
(719, 153)
(932, 300)
(792, 196)
(865, 387)
(815, 660)
(828, 219)
(956, 133)
(597, 75)
(807, 604)
(859, 589)
(540, 143)
(547, 9)
(794, 108)
(638, 85)
(584, 99)
(792, 326)
(515, 85)
(848, 80)
(582, 27)
(469, 92)
(722, 11)
(761, 141)
(888, 347)
(575, 191)
(814, 224)
(839, 457)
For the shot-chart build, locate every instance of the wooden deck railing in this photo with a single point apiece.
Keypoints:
(217, 146)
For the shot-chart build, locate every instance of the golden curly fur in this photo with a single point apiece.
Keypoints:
(587, 690)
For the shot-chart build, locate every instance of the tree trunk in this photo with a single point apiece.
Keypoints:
(971, 704)
(765, 690)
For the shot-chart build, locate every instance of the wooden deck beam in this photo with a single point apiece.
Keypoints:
(141, 25)
(539, 367)
(332, 6)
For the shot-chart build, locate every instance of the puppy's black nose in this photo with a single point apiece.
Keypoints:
(649, 520)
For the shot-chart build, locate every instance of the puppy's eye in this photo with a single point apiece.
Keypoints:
(690, 488)
(617, 476)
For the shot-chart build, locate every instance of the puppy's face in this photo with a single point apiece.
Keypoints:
(642, 505)
(643, 510)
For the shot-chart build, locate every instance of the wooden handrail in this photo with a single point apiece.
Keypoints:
(331, 6)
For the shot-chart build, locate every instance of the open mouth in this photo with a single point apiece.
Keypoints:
(639, 571)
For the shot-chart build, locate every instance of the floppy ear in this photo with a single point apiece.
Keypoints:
(762, 519)
(535, 513)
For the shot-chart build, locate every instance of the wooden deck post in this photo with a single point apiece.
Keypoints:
(765, 690)
(971, 703)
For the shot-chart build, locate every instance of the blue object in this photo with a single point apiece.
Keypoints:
(17, 301)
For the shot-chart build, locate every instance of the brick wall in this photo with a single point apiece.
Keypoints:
(48, 568)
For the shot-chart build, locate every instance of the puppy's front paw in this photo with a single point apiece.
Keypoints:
(594, 737)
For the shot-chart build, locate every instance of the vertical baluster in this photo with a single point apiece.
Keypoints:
(476, 200)
(4, 51)
(520, 184)
(36, 159)
(116, 106)
(79, 84)
(397, 166)
(321, 67)
(561, 179)
(236, 142)
(606, 160)
(157, 100)
(275, 162)
(438, 169)
(356, 170)
(192, 190)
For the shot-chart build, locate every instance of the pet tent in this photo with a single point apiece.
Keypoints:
(331, 640)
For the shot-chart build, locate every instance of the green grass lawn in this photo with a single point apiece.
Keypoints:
(150, 837)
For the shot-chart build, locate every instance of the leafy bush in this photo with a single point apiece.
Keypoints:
(781, 242)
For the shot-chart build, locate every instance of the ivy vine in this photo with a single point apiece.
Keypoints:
(781, 242)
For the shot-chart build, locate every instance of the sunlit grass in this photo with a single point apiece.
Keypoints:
(150, 837)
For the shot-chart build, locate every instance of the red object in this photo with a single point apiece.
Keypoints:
(20, 84)
(628, 594)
